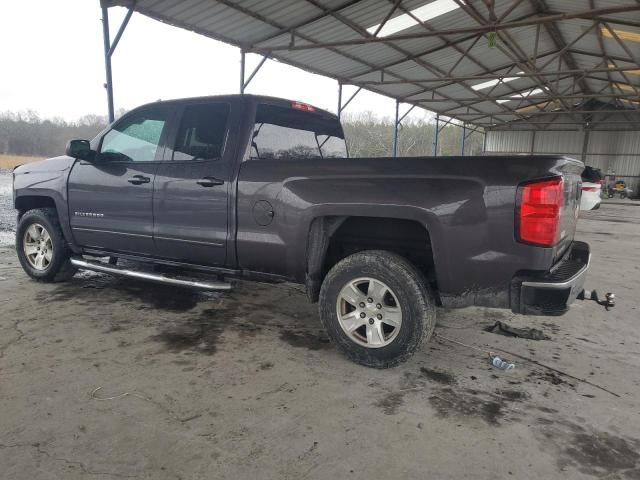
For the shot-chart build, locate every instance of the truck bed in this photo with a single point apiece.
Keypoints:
(467, 205)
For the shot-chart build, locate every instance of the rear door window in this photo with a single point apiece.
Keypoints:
(285, 133)
(202, 132)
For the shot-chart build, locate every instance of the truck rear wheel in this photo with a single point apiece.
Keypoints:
(41, 247)
(377, 308)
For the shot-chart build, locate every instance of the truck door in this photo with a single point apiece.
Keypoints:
(192, 187)
(110, 198)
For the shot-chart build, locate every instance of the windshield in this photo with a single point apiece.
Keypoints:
(282, 133)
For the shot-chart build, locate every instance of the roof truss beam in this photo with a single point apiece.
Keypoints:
(588, 14)
(512, 49)
(559, 41)
(447, 43)
(494, 76)
(274, 24)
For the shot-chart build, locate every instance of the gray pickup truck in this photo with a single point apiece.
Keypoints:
(258, 187)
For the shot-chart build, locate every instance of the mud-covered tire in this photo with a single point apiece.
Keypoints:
(414, 299)
(59, 267)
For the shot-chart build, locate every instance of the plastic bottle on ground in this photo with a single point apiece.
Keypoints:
(501, 364)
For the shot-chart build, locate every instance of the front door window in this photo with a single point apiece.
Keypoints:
(136, 137)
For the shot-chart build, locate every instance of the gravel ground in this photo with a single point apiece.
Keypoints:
(112, 378)
(7, 213)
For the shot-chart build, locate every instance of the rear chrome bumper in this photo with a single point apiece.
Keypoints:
(552, 293)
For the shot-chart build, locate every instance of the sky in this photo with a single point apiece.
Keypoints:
(51, 54)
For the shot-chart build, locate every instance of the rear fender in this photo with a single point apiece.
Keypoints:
(322, 227)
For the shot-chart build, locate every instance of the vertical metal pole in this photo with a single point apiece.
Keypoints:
(435, 137)
(107, 62)
(242, 66)
(394, 150)
(464, 136)
(585, 145)
(339, 100)
(533, 142)
(484, 142)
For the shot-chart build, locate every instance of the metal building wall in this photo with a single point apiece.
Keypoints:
(509, 142)
(617, 154)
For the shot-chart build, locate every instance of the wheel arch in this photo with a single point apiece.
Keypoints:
(332, 238)
(24, 203)
(30, 202)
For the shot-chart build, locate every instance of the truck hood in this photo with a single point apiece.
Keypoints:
(55, 164)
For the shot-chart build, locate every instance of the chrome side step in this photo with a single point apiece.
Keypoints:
(152, 277)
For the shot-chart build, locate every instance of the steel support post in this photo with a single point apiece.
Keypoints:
(464, 137)
(394, 150)
(245, 83)
(109, 48)
(435, 137)
(242, 67)
(585, 145)
(107, 62)
(397, 123)
(122, 28)
(342, 106)
(533, 142)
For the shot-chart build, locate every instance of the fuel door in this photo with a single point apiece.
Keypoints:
(263, 212)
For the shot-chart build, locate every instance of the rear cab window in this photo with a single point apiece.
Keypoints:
(281, 132)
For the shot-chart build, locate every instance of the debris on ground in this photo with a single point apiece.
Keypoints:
(500, 363)
(528, 359)
(502, 328)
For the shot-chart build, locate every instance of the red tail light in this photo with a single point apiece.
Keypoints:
(590, 189)
(539, 213)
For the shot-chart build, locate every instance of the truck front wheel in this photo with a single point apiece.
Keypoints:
(377, 308)
(41, 247)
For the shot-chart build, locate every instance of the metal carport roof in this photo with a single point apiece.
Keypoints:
(526, 64)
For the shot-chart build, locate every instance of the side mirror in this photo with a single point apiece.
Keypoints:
(80, 149)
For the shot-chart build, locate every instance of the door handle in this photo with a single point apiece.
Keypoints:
(138, 179)
(210, 181)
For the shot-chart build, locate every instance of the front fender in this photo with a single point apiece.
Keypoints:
(46, 180)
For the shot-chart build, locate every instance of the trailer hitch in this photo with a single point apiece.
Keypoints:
(608, 302)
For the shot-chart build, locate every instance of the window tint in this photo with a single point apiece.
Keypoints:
(136, 137)
(202, 132)
(281, 133)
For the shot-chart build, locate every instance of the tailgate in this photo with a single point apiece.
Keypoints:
(570, 171)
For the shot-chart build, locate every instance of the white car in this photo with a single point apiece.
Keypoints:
(590, 196)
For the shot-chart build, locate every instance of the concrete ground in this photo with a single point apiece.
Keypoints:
(106, 378)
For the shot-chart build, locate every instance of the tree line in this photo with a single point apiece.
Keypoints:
(25, 133)
(367, 135)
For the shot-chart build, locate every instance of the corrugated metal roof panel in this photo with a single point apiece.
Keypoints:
(259, 23)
